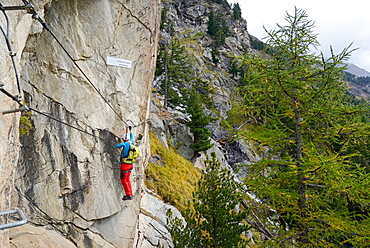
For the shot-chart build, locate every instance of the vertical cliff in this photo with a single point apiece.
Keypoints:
(67, 177)
(65, 173)
(187, 21)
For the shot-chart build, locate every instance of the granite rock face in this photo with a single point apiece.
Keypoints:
(188, 23)
(65, 174)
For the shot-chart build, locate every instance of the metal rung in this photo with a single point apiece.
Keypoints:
(27, 7)
(22, 221)
(137, 177)
(23, 108)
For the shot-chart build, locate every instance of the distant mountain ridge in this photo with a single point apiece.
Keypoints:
(359, 81)
(357, 71)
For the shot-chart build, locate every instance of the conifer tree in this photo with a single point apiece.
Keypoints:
(215, 56)
(237, 11)
(217, 28)
(234, 69)
(164, 19)
(297, 101)
(174, 70)
(213, 219)
(198, 122)
(174, 65)
(211, 24)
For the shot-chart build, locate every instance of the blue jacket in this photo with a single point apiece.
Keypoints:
(126, 146)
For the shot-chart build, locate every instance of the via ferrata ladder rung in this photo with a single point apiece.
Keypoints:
(22, 217)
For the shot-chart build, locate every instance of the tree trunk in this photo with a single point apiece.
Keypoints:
(301, 186)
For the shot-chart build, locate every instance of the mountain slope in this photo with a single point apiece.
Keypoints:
(355, 70)
(188, 22)
(66, 179)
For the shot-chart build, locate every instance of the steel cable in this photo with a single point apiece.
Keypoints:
(37, 17)
(18, 98)
(11, 53)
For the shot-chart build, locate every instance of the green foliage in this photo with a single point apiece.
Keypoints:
(261, 46)
(25, 124)
(213, 219)
(234, 68)
(358, 80)
(175, 179)
(212, 24)
(179, 77)
(198, 122)
(237, 12)
(174, 65)
(215, 56)
(205, 89)
(165, 25)
(256, 43)
(164, 19)
(298, 105)
(217, 28)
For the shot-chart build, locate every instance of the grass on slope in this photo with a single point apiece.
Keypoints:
(175, 178)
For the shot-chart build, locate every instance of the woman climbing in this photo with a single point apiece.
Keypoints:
(128, 157)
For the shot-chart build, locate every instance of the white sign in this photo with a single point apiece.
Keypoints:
(119, 62)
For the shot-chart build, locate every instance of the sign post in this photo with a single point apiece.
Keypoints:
(119, 62)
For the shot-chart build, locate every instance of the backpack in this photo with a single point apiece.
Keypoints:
(132, 155)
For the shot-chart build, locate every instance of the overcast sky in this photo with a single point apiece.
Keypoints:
(338, 23)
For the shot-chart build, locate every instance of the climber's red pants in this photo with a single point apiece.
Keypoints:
(125, 178)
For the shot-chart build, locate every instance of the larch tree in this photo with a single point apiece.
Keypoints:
(314, 188)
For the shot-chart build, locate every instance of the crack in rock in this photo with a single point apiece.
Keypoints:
(138, 19)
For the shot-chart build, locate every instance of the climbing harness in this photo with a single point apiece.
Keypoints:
(23, 107)
(129, 152)
(126, 171)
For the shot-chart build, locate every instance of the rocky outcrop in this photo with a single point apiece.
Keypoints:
(67, 177)
(188, 22)
(151, 230)
(153, 220)
(170, 128)
(65, 173)
(9, 124)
